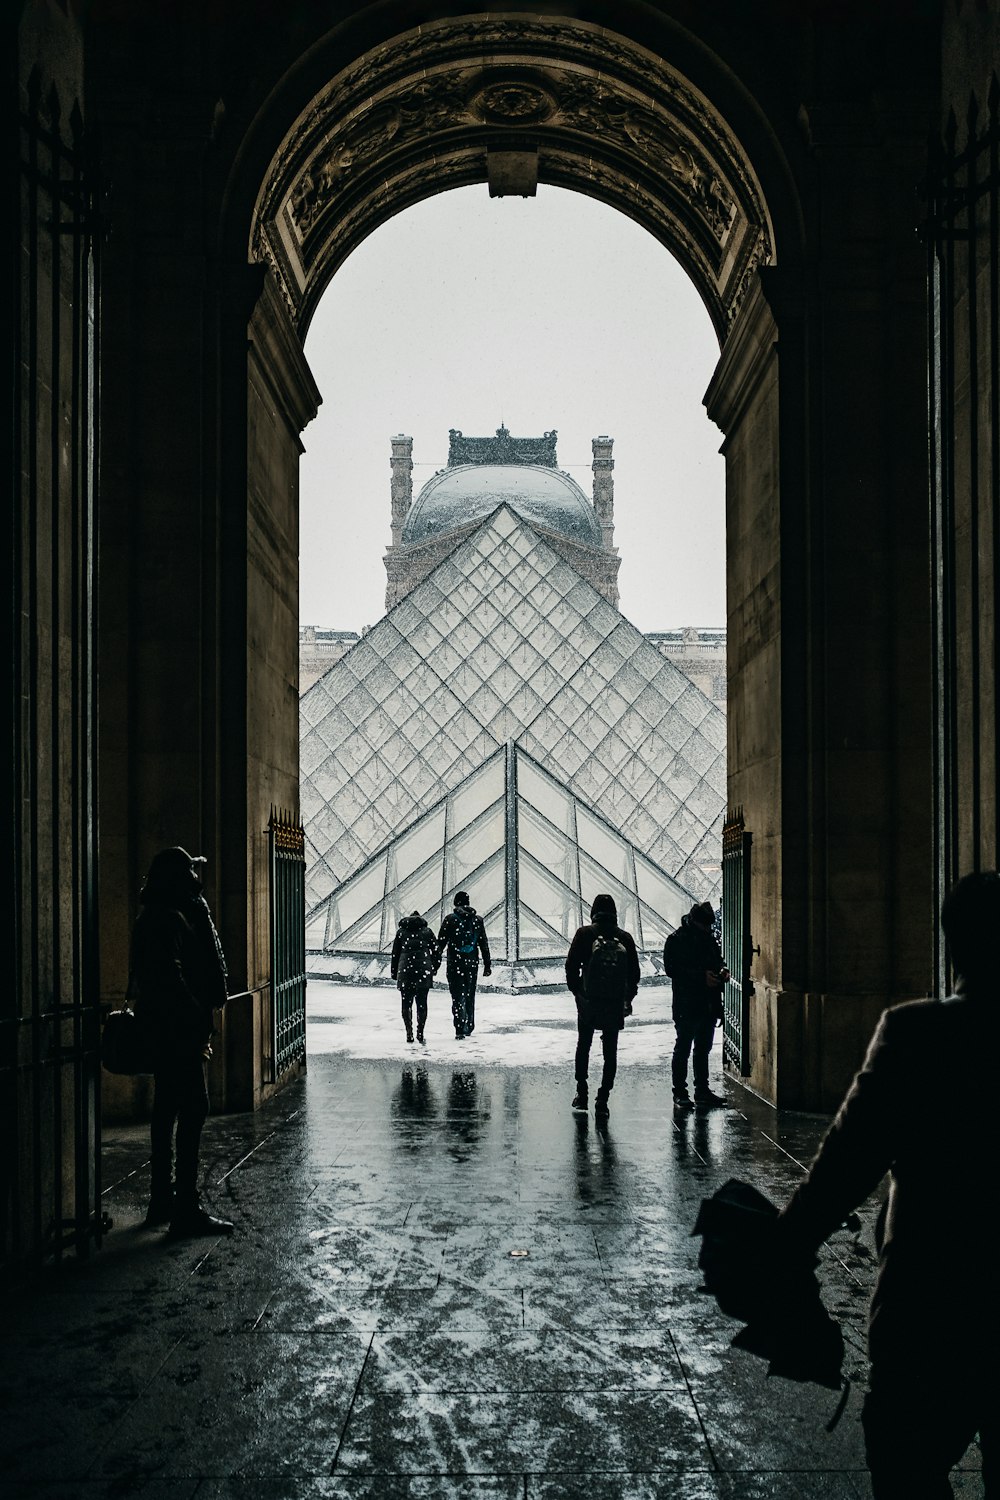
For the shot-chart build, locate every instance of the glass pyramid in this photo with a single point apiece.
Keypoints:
(531, 857)
(505, 642)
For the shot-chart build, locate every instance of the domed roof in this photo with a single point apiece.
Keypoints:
(465, 493)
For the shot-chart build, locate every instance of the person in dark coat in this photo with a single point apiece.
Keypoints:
(464, 936)
(601, 1008)
(178, 978)
(692, 959)
(935, 1312)
(413, 966)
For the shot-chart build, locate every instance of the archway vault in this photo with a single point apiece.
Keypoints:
(584, 107)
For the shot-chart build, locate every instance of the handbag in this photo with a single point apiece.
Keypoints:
(126, 1046)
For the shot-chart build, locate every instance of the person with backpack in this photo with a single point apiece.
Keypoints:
(602, 971)
(413, 966)
(464, 936)
(692, 960)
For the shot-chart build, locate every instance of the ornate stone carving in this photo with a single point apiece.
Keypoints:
(501, 449)
(415, 116)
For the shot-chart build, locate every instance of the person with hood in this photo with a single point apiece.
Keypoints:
(413, 966)
(692, 960)
(935, 1311)
(602, 971)
(178, 978)
(464, 936)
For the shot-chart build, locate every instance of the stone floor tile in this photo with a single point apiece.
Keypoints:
(261, 1403)
(665, 1485)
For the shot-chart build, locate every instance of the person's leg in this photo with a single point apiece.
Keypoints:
(584, 1041)
(161, 1143)
(457, 1003)
(702, 1037)
(192, 1111)
(470, 1000)
(918, 1421)
(406, 1006)
(609, 1044)
(682, 1050)
(421, 1013)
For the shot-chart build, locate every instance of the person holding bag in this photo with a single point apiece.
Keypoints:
(179, 979)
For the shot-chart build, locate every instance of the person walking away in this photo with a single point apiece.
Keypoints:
(935, 1311)
(464, 936)
(602, 971)
(178, 980)
(413, 966)
(692, 959)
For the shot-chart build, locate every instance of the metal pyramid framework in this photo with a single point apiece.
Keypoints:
(529, 854)
(505, 642)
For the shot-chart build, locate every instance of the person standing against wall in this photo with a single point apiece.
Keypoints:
(178, 980)
(692, 960)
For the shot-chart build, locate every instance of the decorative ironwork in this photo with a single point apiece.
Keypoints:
(737, 942)
(501, 449)
(286, 842)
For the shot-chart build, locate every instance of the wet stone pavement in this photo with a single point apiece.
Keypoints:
(442, 1283)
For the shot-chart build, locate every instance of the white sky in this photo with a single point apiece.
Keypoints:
(554, 311)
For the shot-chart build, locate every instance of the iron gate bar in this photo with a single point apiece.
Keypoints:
(737, 943)
(286, 841)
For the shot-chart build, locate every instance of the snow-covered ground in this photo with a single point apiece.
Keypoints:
(523, 1030)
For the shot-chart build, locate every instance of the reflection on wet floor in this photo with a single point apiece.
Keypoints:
(443, 1283)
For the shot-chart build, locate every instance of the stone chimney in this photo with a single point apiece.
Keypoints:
(604, 489)
(401, 464)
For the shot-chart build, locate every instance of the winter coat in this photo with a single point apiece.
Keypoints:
(936, 1293)
(578, 958)
(451, 937)
(689, 952)
(178, 973)
(414, 956)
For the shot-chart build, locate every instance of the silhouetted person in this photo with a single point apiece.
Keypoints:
(179, 979)
(464, 936)
(921, 1109)
(692, 959)
(602, 970)
(413, 966)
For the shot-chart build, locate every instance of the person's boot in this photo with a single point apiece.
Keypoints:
(191, 1221)
(161, 1207)
(682, 1102)
(601, 1110)
(581, 1101)
(409, 1033)
(420, 1033)
(705, 1096)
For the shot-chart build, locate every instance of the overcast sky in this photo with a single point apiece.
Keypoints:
(554, 311)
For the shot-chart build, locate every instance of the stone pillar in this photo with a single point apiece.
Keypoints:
(604, 489)
(401, 464)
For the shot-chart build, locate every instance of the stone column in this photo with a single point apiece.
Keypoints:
(401, 464)
(604, 489)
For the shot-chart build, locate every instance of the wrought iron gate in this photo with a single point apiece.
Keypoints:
(286, 842)
(737, 943)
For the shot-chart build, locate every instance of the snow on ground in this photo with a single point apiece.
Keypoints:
(524, 1030)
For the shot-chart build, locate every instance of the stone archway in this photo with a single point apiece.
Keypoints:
(515, 102)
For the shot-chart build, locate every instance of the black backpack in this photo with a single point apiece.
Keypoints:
(466, 931)
(606, 979)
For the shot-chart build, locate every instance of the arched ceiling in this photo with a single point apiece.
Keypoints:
(423, 114)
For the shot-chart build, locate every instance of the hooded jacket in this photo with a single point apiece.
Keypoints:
(178, 970)
(689, 952)
(578, 957)
(414, 955)
(451, 937)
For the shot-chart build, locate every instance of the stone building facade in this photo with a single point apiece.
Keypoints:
(319, 648)
(483, 473)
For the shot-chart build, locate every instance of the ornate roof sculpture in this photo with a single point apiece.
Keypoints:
(505, 642)
(501, 449)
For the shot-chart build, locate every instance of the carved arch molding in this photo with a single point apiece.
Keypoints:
(419, 115)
